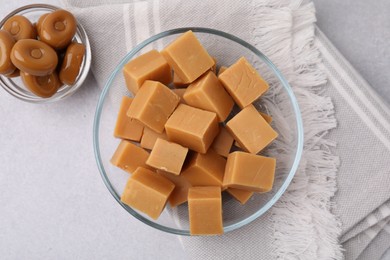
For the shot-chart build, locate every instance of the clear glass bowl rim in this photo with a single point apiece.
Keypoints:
(82, 76)
(228, 36)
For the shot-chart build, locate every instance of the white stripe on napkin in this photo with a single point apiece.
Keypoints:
(372, 220)
(126, 25)
(387, 228)
(156, 19)
(352, 76)
(385, 211)
(142, 28)
(371, 233)
(357, 91)
(363, 116)
(374, 95)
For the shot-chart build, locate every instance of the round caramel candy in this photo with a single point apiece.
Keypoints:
(61, 57)
(20, 28)
(40, 20)
(34, 57)
(6, 44)
(14, 74)
(42, 86)
(57, 29)
(72, 62)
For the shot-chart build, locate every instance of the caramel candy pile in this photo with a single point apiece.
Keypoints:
(177, 143)
(35, 51)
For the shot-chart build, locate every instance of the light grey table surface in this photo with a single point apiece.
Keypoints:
(53, 203)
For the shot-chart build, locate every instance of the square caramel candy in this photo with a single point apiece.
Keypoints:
(188, 58)
(178, 82)
(180, 92)
(147, 192)
(153, 105)
(125, 127)
(251, 130)
(221, 69)
(223, 142)
(214, 67)
(179, 195)
(205, 169)
(208, 93)
(149, 138)
(148, 66)
(192, 127)
(249, 172)
(205, 210)
(243, 82)
(241, 195)
(167, 156)
(129, 156)
(266, 117)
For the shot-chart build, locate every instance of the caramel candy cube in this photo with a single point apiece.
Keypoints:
(241, 195)
(223, 142)
(205, 169)
(178, 82)
(125, 127)
(249, 172)
(214, 67)
(129, 156)
(251, 130)
(149, 138)
(208, 93)
(188, 57)
(148, 66)
(147, 192)
(167, 156)
(180, 92)
(221, 69)
(205, 210)
(243, 82)
(180, 194)
(266, 117)
(192, 127)
(153, 104)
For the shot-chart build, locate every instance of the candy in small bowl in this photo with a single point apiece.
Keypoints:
(45, 53)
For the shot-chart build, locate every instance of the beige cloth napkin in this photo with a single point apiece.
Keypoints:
(363, 136)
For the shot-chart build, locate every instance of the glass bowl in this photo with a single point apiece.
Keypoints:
(279, 102)
(15, 86)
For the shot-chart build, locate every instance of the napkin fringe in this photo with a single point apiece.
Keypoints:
(302, 218)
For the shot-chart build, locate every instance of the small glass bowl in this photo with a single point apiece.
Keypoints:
(279, 102)
(15, 86)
